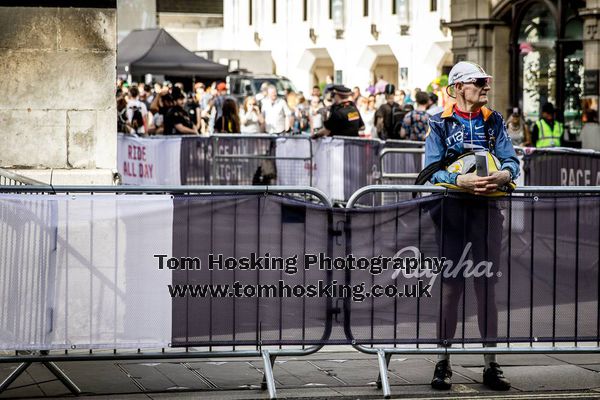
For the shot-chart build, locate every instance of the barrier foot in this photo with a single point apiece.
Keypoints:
(268, 379)
(69, 384)
(13, 376)
(382, 381)
(388, 357)
(263, 384)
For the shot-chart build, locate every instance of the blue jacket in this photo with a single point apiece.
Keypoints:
(445, 138)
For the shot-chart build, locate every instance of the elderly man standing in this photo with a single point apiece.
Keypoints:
(467, 222)
(278, 117)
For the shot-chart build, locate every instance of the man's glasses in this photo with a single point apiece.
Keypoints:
(480, 82)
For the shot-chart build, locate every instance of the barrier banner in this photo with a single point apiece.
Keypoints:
(328, 158)
(361, 165)
(79, 272)
(530, 276)
(153, 161)
(235, 160)
(294, 172)
(196, 160)
(257, 244)
(561, 167)
(132, 271)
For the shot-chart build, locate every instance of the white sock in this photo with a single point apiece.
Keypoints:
(444, 356)
(489, 358)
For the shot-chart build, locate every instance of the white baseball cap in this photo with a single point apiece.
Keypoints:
(466, 71)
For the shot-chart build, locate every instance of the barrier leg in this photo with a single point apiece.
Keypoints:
(69, 384)
(14, 375)
(268, 378)
(388, 357)
(382, 381)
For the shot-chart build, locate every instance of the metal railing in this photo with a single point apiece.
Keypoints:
(79, 194)
(373, 327)
(541, 210)
(8, 178)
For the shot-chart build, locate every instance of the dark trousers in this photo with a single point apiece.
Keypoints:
(461, 220)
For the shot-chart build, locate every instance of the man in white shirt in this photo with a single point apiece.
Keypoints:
(136, 111)
(277, 115)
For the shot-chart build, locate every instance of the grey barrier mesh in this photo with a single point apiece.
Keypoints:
(235, 227)
(78, 271)
(561, 168)
(544, 284)
(246, 160)
(81, 272)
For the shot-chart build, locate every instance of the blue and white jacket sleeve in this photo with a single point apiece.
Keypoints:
(435, 150)
(505, 152)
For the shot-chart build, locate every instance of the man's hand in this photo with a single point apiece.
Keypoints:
(483, 184)
(321, 132)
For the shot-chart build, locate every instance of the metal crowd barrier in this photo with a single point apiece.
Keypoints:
(409, 160)
(555, 310)
(248, 159)
(207, 199)
(8, 178)
(568, 310)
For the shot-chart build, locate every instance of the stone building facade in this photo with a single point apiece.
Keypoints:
(58, 115)
(537, 50)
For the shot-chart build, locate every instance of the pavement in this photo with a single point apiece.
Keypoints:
(333, 373)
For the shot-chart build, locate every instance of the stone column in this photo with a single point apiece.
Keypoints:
(478, 38)
(58, 81)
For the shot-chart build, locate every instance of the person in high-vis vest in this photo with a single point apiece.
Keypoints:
(547, 132)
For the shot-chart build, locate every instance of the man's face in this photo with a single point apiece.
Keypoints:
(272, 94)
(316, 92)
(475, 92)
(547, 115)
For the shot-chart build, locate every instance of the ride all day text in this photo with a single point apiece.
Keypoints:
(136, 165)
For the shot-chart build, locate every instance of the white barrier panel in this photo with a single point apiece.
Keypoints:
(79, 272)
(293, 172)
(149, 161)
(328, 166)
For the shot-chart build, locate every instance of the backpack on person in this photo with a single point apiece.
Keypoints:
(137, 119)
(398, 114)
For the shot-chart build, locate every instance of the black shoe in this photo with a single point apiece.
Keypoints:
(441, 376)
(494, 378)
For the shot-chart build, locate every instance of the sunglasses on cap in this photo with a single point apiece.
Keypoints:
(480, 82)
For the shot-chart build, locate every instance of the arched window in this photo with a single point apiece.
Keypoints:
(537, 60)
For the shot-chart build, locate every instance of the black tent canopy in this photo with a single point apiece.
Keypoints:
(154, 51)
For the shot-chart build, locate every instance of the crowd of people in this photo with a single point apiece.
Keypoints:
(166, 109)
(385, 112)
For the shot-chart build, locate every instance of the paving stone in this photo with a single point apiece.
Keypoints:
(24, 386)
(160, 376)
(553, 377)
(229, 375)
(306, 373)
(578, 358)
(138, 396)
(211, 395)
(593, 367)
(351, 372)
(99, 377)
(41, 382)
(415, 371)
(504, 360)
(284, 377)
